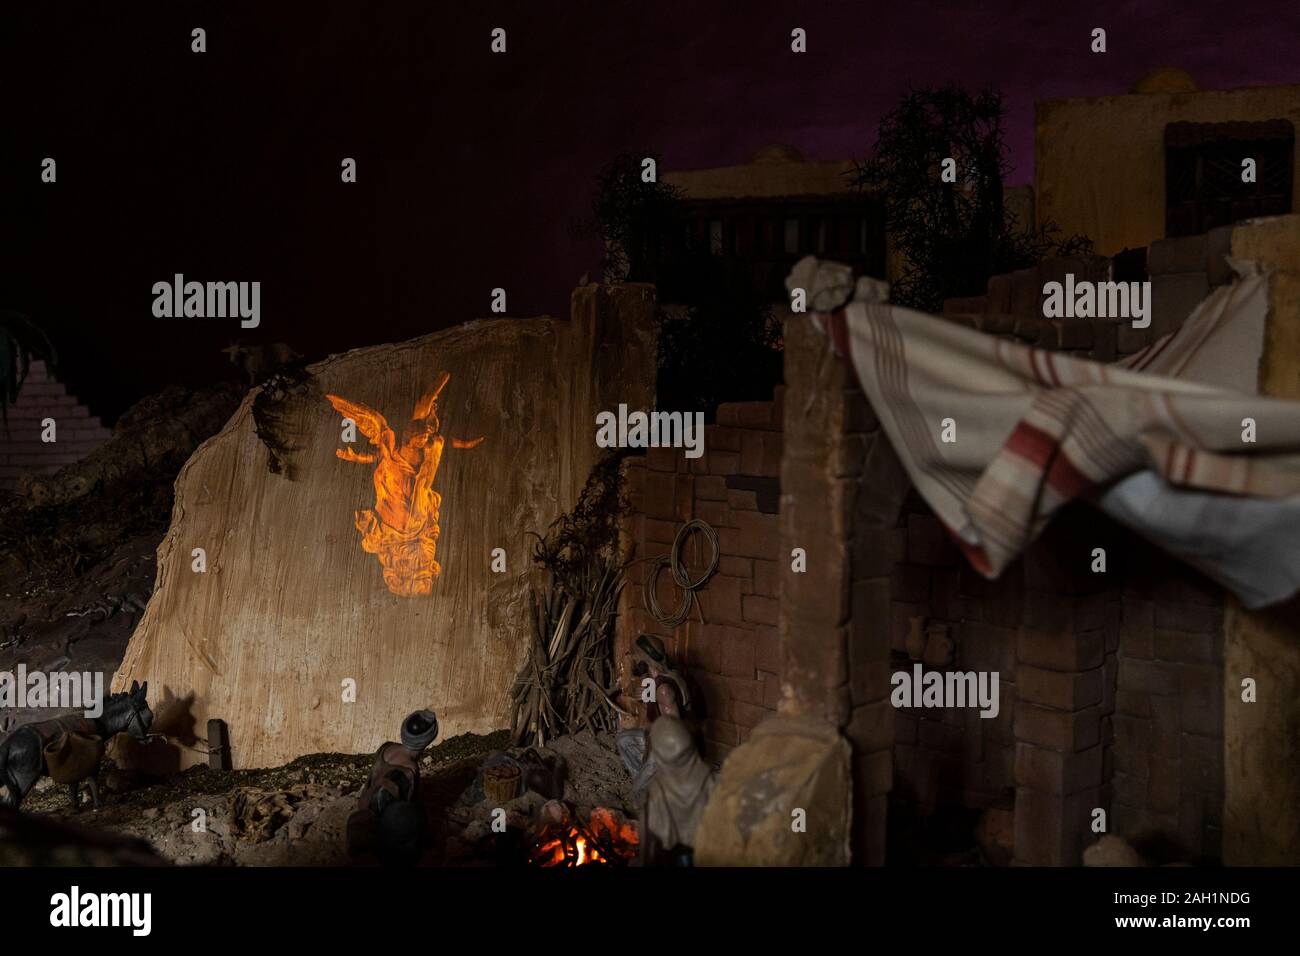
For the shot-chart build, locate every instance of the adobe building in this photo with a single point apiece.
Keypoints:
(1124, 697)
(767, 214)
(1164, 160)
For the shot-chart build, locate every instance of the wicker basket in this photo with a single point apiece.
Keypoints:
(501, 783)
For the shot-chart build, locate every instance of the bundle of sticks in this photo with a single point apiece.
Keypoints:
(567, 682)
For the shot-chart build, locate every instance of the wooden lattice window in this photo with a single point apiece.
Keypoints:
(1203, 173)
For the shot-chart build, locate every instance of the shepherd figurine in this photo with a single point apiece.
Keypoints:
(402, 528)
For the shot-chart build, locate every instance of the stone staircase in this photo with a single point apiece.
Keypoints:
(77, 432)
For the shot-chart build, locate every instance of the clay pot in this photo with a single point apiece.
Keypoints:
(915, 643)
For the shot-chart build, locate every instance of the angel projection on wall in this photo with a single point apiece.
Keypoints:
(402, 528)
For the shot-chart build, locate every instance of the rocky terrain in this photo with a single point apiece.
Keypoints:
(296, 815)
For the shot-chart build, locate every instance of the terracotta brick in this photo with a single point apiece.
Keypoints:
(765, 578)
(1188, 647)
(710, 488)
(716, 752)
(1060, 730)
(873, 773)
(1061, 690)
(683, 497)
(721, 731)
(771, 693)
(705, 645)
(717, 463)
(722, 438)
(735, 567)
(767, 649)
(657, 494)
(759, 609)
(738, 653)
(1188, 617)
(1148, 677)
(715, 513)
(664, 459)
(728, 414)
(658, 530)
(751, 453)
(1133, 703)
(755, 535)
(1202, 694)
(1051, 829)
(1201, 766)
(871, 727)
(1052, 771)
(1052, 611)
(1109, 683)
(755, 414)
(773, 450)
(1060, 651)
(749, 715)
(1137, 628)
(1162, 786)
(720, 599)
(740, 500)
(744, 690)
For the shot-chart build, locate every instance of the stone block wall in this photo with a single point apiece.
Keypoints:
(1093, 716)
(1168, 787)
(948, 756)
(842, 490)
(22, 452)
(729, 642)
(1182, 273)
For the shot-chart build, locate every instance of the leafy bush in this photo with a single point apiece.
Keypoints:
(953, 236)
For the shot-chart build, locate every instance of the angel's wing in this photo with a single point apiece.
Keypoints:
(369, 422)
(430, 398)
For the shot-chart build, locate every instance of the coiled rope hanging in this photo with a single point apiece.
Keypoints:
(673, 561)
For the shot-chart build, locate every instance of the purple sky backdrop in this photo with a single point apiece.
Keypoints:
(472, 167)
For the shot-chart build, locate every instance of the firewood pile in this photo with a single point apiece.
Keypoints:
(567, 683)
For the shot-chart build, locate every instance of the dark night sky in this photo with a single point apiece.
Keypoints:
(225, 166)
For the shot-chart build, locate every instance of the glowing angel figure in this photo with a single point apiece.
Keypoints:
(402, 528)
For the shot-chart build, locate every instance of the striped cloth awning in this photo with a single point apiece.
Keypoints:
(1156, 440)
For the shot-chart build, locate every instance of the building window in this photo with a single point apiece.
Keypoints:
(1203, 173)
(792, 236)
(715, 236)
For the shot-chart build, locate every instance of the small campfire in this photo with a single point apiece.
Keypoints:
(604, 840)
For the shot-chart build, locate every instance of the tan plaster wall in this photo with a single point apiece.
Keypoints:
(1100, 160)
(1262, 739)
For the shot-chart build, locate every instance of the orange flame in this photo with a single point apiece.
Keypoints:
(402, 528)
(603, 841)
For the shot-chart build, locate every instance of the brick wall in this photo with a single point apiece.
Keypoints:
(952, 756)
(21, 450)
(1182, 272)
(729, 643)
(1168, 788)
(1116, 679)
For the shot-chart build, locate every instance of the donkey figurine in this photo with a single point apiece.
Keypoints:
(23, 752)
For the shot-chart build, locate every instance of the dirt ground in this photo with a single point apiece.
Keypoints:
(295, 815)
